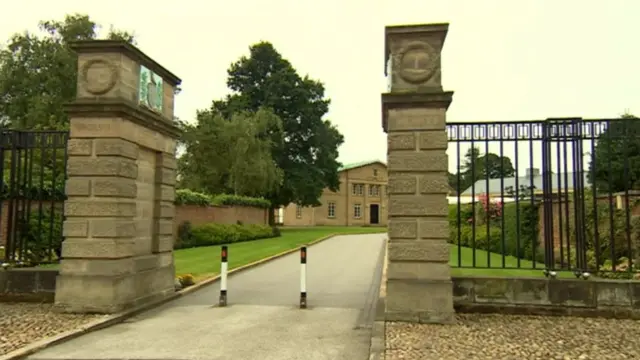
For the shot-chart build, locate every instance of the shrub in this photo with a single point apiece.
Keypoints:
(276, 231)
(522, 238)
(186, 280)
(41, 234)
(518, 241)
(611, 242)
(466, 213)
(569, 261)
(188, 197)
(217, 234)
(483, 241)
(185, 234)
(40, 187)
(624, 270)
(605, 244)
(238, 200)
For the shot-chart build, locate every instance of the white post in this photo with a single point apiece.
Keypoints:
(224, 267)
(303, 277)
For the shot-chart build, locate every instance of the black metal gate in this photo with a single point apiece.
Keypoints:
(568, 192)
(566, 136)
(33, 168)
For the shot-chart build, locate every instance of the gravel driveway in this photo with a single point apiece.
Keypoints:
(24, 323)
(502, 337)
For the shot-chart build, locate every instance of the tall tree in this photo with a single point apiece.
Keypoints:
(231, 155)
(617, 148)
(38, 72)
(479, 167)
(308, 156)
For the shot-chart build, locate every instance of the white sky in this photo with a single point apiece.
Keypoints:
(505, 59)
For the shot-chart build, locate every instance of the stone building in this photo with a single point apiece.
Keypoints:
(361, 200)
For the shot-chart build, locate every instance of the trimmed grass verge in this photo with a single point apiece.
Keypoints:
(492, 265)
(204, 262)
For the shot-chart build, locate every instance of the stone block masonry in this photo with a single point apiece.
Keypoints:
(119, 215)
(419, 287)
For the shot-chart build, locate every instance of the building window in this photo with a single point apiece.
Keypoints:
(358, 189)
(374, 190)
(331, 210)
(375, 172)
(357, 211)
(298, 211)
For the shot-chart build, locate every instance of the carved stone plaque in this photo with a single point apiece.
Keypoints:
(418, 62)
(99, 76)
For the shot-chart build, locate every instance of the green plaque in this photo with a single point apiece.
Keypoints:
(150, 91)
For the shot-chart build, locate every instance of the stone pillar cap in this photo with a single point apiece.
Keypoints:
(123, 47)
(440, 28)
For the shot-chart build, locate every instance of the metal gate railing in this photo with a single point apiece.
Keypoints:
(33, 168)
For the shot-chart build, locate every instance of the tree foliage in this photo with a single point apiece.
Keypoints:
(478, 167)
(231, 155)
(617, 148)
(307, 147)
(38, 72)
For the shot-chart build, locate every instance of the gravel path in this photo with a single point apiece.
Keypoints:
(502, 337)
(24, 323)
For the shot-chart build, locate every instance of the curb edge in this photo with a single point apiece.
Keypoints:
(379, 328)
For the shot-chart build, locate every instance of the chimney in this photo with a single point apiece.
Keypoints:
(534, 171)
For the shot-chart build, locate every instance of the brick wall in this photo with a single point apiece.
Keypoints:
(198, 215)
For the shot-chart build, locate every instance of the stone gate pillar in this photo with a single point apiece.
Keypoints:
(118, 248)
(419, 287)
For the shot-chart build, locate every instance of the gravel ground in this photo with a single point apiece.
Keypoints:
(502, 337)
(24, 323)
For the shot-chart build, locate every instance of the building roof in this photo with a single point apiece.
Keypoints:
(360, 164)
(494, 188)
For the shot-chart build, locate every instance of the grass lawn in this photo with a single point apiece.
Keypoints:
(204, 262)
(493, 265)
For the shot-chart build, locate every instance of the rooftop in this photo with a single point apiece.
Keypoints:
(360, 164)
(559, 182)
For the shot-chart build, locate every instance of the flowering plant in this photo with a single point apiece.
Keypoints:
(489, 210)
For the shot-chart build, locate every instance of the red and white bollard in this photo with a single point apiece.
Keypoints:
(224, 267)
(303, 277)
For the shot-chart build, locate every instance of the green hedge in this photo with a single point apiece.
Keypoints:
(491, 239)
(224, 199)
(39, 236)
(528, 216)
(34, 191)
(217, 234)
(188, 197)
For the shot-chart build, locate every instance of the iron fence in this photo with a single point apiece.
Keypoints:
(33, 167)
(553, 195)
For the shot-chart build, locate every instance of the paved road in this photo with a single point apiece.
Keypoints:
(262, 320)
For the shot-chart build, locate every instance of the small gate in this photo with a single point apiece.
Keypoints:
(33, 168)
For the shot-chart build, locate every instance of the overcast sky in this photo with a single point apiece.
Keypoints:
(505, 59)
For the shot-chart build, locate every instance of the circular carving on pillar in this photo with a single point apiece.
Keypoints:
(418, 62)
(99, 76)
